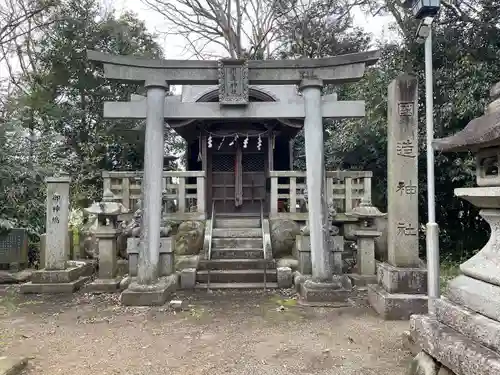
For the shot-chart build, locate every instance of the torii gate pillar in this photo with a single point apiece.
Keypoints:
(324, 285)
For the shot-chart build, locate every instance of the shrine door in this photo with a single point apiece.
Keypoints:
(237, 176)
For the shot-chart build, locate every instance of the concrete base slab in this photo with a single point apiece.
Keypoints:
(362, 280)
(396, 306)
(12, 366)
(104, 286)
(53, 288)
(457, 352)
(334, 292)
(149, 295)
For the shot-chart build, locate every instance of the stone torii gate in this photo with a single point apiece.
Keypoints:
(234, 78)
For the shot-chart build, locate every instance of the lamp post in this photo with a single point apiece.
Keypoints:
(425, 11)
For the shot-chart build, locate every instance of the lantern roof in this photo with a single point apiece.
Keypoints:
(481, 132)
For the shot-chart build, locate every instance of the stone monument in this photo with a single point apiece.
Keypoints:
(402, 283)
(107, 233)
(14, 249)
(463, 333)
(60, 275)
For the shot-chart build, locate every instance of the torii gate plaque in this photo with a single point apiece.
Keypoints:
(233, 82)
(234, 76)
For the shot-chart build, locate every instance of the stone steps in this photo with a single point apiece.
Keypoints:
(237, 253)
(241, 286)
(236, 276)
(235, 264)
(237, 257)
(237, 223)
(240, 242)
(237, 233)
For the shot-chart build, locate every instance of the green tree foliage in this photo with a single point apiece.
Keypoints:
(55, 118)
(466, 51)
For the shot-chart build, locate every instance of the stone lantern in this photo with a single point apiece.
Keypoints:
(468, 317)
(365, 235)
(107, 233)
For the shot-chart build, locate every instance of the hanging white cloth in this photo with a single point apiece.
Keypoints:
(238, 178)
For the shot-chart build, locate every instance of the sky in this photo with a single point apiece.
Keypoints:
(173, 48)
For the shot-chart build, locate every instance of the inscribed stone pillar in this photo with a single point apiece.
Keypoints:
(401, 288)
(56, 240)
(313, 135)
(402, 173)
(147, 272)
(60, 275)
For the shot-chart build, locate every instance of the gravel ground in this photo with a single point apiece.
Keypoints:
(240, 333)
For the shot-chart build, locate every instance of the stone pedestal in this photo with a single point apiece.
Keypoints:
(107, 279)
(149, 295)
(59, 274)
(398, 293)
(166, 256)
(302, 252)
(334, 292)
(66, 280)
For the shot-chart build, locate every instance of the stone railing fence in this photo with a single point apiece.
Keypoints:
(185, 190)
(344, 188)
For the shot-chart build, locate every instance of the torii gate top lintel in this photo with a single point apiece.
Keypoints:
(331, 70)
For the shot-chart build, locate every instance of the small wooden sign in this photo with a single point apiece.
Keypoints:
(233, 82)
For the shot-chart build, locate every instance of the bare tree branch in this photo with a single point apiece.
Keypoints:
(244, 28)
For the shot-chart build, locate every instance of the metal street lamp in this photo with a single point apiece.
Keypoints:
(426, 10)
